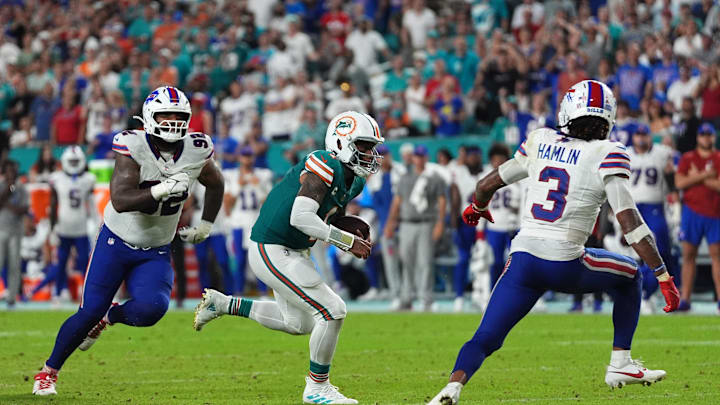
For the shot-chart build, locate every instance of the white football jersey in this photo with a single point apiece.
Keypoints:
(75, 202)
(466, 183)
(157, 227)
(647, 183)
(565, 191)
(248, 197)
(505, 208)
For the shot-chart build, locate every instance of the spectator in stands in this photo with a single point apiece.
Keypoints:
(366, 44)
(697, 177)
(336, 22)
(309, 136)
(419, 209)
(299, 44)
(201, 119)
(346, 102)
(14, 203)
(24, 134)
(447, 111)
(433, 87)
(101, 146)
(463, 64)
(633, 79)
(415, 104)
(708, 90)
(43, 109)
(689, 42)
(239, 110)
(624, 125)
(572, 74)
(686, 129)
(44, 165)
(529, 12)
(68, 124)
(683, 87)
(280, 118)
(396, 79)
(21, 102)
(96, 110)
(659, 121)
(417, 21)
(258, 144)
(502, 68)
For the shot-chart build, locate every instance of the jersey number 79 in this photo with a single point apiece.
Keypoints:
(556, 195)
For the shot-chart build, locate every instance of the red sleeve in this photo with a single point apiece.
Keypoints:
(684, 164)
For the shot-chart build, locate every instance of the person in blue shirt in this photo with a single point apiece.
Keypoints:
(632, 78)
(43, 108)
(624, 126)
(101, 146)
(226, 147)
(447, 112)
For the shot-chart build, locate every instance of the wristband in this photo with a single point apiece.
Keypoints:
(665, 276)
(637, 234)
(338, 237)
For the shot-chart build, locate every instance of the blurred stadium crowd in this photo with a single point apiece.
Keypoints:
(261, 72)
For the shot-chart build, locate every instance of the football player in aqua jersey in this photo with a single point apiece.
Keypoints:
(293, 217)
(153, 170)
(570, 175)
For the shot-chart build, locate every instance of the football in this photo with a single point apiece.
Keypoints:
(353, 224)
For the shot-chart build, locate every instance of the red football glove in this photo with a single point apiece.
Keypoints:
(473, 213)
(671, 294)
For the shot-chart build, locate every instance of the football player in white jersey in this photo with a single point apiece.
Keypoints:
(651, 181)
(462, 188)
(153, 170)
(570, 175)
(505, 204)
(71, 204)
(246, 188)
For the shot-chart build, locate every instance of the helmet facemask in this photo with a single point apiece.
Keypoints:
(171, 129)
(364, 163)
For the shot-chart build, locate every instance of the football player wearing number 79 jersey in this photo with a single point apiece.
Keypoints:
(153, 170)
(570, 174)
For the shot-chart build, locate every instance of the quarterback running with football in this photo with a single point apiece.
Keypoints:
(570, 175)
(291, 220)
(153, 170)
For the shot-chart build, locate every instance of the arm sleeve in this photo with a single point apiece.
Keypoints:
(616, 162)
(618, 193)
(305, 218)
(512, 171)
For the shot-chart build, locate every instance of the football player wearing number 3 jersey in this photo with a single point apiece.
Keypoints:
(153, 170)
(570, 175)
(291, 220)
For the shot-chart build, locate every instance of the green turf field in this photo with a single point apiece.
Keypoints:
(381, 359)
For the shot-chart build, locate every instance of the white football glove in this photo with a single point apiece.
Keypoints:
(196, 234)
(174, 186)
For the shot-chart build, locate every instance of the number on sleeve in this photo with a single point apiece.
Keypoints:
(199, 140)
(556, 195)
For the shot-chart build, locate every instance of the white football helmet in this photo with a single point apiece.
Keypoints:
(587, 98)
(161, 100)
(73, 160)
(342, 133)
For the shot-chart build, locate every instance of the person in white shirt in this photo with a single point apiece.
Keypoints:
(280, 118)
(239, 110)
(298, 43)
(536, 10)
(416, 23)
(365, 44)
(347, 101)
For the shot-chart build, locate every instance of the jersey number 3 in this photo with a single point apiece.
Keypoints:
(556, 195)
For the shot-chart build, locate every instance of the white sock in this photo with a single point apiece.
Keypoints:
(620, 358)
(323, 340)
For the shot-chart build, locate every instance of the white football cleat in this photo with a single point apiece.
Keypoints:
(95, 332)
(632, 373)
(324, 393)
(44, 384)
(450, 395)
(213, 305)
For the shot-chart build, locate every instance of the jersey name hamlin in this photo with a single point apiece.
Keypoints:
(558, 153)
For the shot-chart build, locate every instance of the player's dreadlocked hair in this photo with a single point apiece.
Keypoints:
(588, 128)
